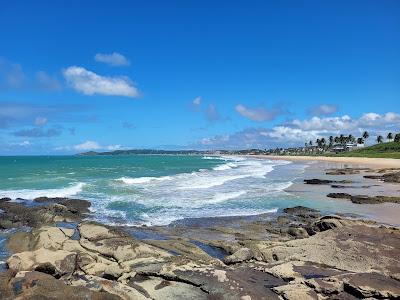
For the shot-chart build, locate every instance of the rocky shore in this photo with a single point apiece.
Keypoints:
(297, 254)
(54, 251)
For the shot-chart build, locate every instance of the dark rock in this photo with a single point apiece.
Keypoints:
(327, 223)
(363, 199)
(303, 212)
(5, 199)
(372, 285)
(38, 285)
(339, 195)
(324, 181)
(390, 177)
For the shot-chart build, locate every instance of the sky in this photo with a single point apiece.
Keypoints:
(78, 76)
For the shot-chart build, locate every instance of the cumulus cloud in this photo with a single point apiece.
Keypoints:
(323, 110)
(92, 145)
(258, 114)
(197, 101)
(37, 132)
(112, 59)
(40, 121)
(297, 132)
(90, 83)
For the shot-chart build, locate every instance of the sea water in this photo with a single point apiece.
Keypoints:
(154, 189)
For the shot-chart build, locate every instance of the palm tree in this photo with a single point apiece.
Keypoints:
(336, 139)
(331, 139)
(379, 139)
(342, 139)
(351, 138)
(390, 136)
(323, 142)
(310, 143)
(360, 141)
(365, 135)
(397, 138)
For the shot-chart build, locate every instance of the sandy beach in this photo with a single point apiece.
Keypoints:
(375, 162)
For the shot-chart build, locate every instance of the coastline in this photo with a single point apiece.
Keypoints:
(297, 253)
(376, 162)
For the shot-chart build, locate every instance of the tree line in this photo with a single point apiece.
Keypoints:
(344, 139)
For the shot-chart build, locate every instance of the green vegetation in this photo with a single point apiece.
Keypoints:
(381, 150)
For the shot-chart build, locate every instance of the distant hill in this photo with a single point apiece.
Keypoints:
(142, 151)
(384, 150)
(176, 152)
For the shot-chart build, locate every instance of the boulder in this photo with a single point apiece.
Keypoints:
(298, 232)
(38, 285)
(243, 254)
(56, 263)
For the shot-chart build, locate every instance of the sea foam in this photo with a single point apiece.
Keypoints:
(29, 194)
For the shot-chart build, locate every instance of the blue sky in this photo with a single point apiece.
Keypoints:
(99, 75)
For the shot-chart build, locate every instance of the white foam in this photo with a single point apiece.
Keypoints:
(28, 194)
(224, 167)
(222, 197)
(140, 180)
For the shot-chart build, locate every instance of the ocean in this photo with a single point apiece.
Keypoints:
(154, 189)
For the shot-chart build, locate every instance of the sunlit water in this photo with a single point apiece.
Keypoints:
(153, 189)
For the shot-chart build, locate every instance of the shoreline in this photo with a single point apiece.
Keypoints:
(367, 161)
(299, 253)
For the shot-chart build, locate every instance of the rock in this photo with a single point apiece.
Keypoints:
(339, 195)
(296, 291)
(285, 271)
(327, 223)
(282, 220)
(57, 263)
(372, 285)
(94, 232)
(363, 199)
(303, 212)
(297, 232)
(37, 285)
(243, 254)
(390, 177)
(324, 181)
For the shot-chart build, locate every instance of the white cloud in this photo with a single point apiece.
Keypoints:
(40, 121)
(297, 132)
(197, 101)
(323, 110)
(90, 83)
(24, 143)
(258, 114)
(113, 59)
(90, 145)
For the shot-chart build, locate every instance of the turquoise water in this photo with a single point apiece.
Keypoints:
(153, 189)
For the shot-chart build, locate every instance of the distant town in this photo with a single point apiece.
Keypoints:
(331, 145)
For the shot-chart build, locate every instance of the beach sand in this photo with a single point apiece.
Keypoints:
(386, 213)
(366, 161)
